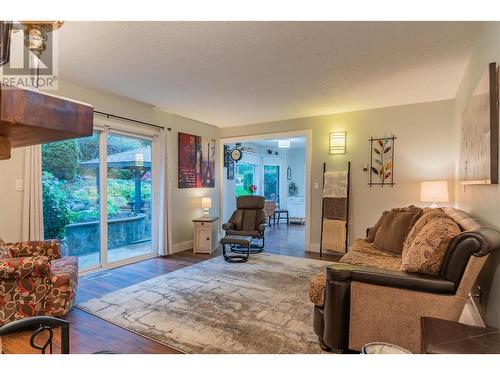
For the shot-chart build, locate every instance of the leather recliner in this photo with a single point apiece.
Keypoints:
(366, 304)
(249, 219)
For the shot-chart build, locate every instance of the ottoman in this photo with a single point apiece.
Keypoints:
(243, 241)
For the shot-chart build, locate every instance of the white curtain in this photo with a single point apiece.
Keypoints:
(32, 225)
(165, 234)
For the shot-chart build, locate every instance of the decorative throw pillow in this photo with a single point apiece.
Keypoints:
(427, 251)
(373, 230)
(428, 215)
(395, 227)
(4, 251)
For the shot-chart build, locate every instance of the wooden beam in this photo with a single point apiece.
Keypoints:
(29, 117)
(5, 148)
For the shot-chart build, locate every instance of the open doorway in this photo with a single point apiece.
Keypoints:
(275, 167)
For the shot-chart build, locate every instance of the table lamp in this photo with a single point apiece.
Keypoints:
(434, 192)
(206, 204)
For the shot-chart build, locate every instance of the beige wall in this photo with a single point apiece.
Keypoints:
(424, 150)
(482, 201)
(185, 202)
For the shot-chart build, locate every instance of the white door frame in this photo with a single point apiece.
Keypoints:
(257, 137)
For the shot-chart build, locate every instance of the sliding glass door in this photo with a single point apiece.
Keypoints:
(97, 197)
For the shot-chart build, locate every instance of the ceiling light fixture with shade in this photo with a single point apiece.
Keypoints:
(434, 192)
(284, 143)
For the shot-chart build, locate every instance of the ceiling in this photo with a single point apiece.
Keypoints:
(236, 73)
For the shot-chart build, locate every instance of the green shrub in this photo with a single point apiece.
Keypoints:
(56, 214)
(61, 159)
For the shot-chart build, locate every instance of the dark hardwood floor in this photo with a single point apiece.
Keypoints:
(89, 334)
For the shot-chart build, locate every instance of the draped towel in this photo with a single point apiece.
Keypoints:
(334, 234)
(335, 208)
(335, 185)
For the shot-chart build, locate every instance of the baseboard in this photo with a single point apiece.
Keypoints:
(182, 246)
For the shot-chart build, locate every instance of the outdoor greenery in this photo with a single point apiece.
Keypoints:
(70, 191)
(244, 178)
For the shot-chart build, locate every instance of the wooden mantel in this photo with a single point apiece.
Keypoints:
(29, 117)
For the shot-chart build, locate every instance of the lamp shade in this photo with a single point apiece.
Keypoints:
(206, 202)
(337, 143)
(434, 191)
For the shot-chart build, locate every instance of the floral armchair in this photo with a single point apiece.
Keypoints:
(35, 280)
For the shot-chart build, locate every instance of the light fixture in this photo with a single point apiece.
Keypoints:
(284, 143)
(338, 143)
(434, 191)
(206, 204)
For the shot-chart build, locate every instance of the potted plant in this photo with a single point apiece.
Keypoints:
(252, 189)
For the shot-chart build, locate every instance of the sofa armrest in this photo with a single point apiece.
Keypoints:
(394, 279)
(49, 248)
(24, 267)
(227, 226)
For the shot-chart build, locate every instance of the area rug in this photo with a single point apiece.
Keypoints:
(261, 306)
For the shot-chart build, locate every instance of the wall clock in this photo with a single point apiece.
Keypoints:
(236, 154)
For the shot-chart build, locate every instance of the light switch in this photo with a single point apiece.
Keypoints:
(316, 185)
(19, 185)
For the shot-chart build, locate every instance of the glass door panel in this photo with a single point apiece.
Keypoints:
(244, 177)
(70, 187)
(272, 182)
(129, 183)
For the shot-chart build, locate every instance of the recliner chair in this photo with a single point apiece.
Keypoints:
(249, 219)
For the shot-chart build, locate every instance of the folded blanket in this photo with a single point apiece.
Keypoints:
(335, 185)
(334, 234)
(335, 208)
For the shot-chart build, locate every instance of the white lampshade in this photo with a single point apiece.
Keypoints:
(338, 143)
(434, 191)
(206, 202)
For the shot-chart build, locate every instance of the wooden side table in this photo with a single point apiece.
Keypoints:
(205, 235)
(445, 337)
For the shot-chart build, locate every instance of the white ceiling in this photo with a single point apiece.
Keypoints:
(235, 73)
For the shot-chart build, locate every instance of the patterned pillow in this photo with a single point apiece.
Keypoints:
(427, 251)
(4, 251)
(429, 214)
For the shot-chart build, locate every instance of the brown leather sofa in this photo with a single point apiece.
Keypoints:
(363, 304)
(249, 219)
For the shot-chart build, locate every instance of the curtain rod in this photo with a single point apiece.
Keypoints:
(108, 115)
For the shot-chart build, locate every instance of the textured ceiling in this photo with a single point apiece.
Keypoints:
(235, 73)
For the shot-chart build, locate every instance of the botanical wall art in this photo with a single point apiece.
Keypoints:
(382, 161)
(196, 161)
(479, 132)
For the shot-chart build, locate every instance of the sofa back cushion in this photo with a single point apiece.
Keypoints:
(394, 229)
(428, 249)
(428, 215)
(4, 251)
(373, 230)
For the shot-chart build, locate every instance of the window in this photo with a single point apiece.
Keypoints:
(244, 176)
(272, 182)
(84, 178)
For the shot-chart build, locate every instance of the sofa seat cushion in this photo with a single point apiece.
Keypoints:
(317, 289)
(428, 249)
(64, 279)
(381, 260)
(391, 235)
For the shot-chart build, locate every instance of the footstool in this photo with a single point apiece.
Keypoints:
(243, 241)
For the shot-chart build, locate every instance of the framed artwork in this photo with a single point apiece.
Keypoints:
(382, 161)
(196, 161)
(479, 132)
(230, 170)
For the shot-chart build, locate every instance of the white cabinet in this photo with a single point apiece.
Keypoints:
(205, 236)
(296, 207)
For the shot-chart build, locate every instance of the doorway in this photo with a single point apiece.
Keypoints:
(277, 167)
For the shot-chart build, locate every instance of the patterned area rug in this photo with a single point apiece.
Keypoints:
(261, 306)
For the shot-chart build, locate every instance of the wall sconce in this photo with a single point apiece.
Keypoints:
(338, 143)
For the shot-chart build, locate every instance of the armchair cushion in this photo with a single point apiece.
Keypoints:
(4, 251)
(21, 268)
(428, 249)
(64, 279)
(50, 249)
